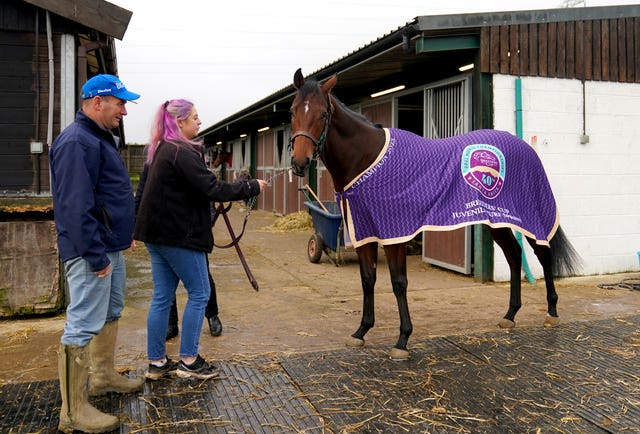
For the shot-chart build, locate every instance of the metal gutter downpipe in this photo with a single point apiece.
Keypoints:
(51, 82)
(37, 120)
(525, 264)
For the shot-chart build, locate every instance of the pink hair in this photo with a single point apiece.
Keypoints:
(165, 126)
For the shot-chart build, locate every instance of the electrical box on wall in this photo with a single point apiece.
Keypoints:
(36, 147)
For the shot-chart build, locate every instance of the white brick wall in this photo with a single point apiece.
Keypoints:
(597, 184)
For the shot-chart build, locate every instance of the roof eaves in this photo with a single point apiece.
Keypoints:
(380, 44)
(351, 59)
(476, 20)
(100, 15)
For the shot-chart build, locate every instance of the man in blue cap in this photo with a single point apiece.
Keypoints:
(94, 216)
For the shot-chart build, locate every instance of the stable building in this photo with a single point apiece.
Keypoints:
(567, 81)
(48, 50)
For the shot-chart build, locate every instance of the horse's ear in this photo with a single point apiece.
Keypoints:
(298, 79)
(328, 85)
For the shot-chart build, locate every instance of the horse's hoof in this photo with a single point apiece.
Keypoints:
(398, 354)
(354, 342)
(551, 321)
(506, 324)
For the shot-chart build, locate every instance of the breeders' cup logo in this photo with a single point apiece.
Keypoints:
(483, 168)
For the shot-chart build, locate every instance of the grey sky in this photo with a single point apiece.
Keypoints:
(225, 55)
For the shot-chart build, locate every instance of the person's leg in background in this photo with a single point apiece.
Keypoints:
(172, 326)
(211, 313)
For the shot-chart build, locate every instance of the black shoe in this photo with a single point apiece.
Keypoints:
(172, 331)
(215, 326)
(198, 369)
(157, 372)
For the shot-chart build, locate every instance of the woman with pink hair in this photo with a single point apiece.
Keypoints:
(174, 222)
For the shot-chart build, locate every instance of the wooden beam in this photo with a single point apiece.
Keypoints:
(447, 43)
(95, 14)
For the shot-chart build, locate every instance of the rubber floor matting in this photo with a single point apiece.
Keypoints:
(252, 395)
(577, 378)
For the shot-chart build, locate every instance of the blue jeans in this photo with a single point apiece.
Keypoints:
(169, 266)
(93, 301)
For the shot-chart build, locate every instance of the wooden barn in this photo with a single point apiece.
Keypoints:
(48, 49)
(565, 80)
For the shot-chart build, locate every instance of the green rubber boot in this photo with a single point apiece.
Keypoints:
(76, 413)
(103, 377)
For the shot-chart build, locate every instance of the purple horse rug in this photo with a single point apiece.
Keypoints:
(419, 184)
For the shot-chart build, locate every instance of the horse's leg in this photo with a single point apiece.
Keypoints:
(513, 252)
(368, 259)
(397, 259)
(543, 253)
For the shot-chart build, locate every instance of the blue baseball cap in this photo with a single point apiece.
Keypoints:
(105, 84)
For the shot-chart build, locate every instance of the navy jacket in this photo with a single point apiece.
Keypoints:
(93, 203)
(176, 194)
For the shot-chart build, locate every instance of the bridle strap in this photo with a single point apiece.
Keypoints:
(315, 141)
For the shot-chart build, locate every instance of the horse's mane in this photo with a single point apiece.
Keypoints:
(312, 86)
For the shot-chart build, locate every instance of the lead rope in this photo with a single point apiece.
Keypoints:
(221, 209)
(251, 202)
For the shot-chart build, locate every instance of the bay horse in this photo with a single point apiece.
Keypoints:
(348, 144)
(222, 156)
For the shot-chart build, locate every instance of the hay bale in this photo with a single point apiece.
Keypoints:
(295, 222)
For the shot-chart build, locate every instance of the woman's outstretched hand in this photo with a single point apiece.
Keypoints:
(263, 184)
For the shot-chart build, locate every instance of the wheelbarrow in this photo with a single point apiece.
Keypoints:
(329, 229)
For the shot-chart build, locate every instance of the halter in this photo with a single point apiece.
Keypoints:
(318, 143)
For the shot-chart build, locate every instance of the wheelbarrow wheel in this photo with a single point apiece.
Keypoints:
(314, 248)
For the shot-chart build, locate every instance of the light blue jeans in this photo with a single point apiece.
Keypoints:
(169, 266)
(93, 301)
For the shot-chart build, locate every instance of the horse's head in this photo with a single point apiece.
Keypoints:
(222, 157)
(310, 119)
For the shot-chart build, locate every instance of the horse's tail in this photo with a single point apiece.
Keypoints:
(566, 260)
